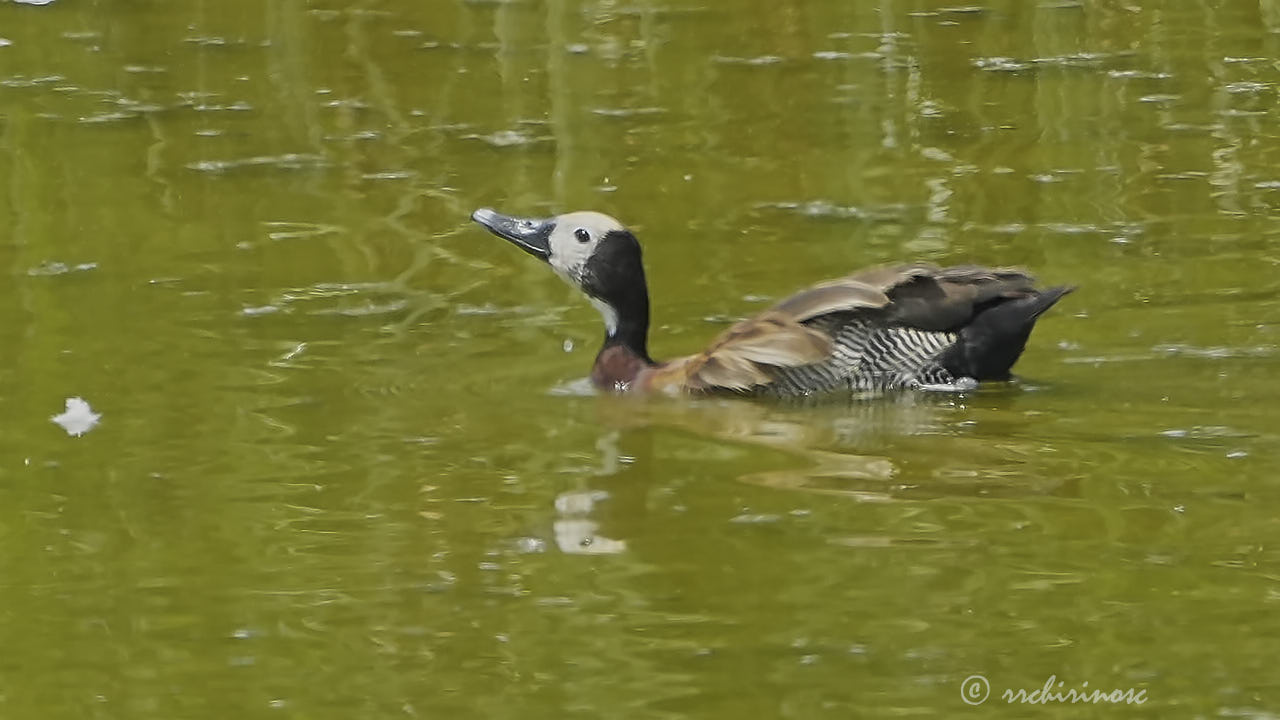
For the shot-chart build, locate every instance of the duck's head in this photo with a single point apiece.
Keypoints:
(593, 252)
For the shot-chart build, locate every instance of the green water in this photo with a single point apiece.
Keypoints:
(344, 470)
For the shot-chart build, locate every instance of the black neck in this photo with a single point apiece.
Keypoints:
(632, 331)
(615, 276)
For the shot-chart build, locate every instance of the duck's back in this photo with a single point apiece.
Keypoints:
(876, 330)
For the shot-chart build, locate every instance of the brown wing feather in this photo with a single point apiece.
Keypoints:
(920, 295)
(742, 356)
(739, 358)
(833, 296)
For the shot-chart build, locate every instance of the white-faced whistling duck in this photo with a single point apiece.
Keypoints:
(908, 326)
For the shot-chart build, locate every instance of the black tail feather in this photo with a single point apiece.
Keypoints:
(991, 343)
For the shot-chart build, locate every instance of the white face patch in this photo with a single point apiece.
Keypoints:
(574, 239)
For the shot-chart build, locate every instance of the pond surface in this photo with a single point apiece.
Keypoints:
(343, 467)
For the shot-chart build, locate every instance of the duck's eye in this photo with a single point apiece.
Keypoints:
(582, 234)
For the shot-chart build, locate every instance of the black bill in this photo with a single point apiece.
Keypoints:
(532, 236)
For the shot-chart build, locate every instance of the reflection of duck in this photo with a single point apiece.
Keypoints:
(906, 445)
(834, 448)
(907, 326)
(664, 459)
(576, 533)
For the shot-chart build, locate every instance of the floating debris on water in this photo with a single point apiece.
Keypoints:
(78, 418)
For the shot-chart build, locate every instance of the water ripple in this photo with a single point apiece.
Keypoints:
(754, 61)
(288, 161)
(827, 209)
(510, 138)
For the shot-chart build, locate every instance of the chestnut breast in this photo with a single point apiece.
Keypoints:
(616, 368)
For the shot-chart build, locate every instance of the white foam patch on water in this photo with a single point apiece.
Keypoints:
(960, 385)
(78, 418)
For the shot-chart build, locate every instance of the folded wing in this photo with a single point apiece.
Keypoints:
(801, 330)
